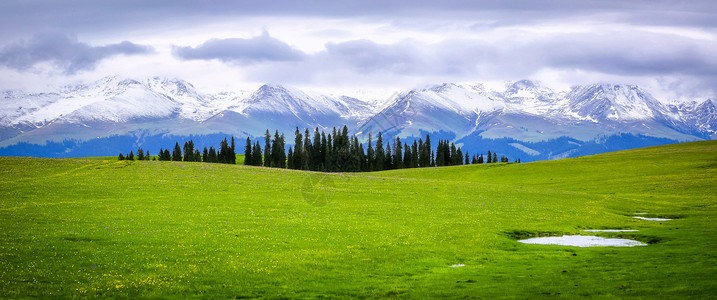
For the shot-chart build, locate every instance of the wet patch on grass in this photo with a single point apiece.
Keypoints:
(582, 241)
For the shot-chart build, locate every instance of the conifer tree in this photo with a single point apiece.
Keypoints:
(380, 157)
(430, 158)
(167, 156)
(147, 155)
(453, 159)
(370, 155)
(309, 149)
(130, 156)
(489, 157)
(328, 162)
(398, 154)
(495, 157)
(120, 157)
(258, 158)
(298, 149)
(189, 151)
(213, 157)
(205, 155)
(459, 157)
(248, 158)
(414, 155)
(140, 154)
(407, 159)
(233, 153)
(315, 154)
(290, 159)
(388, 164)
(177, 153)
(322, 153)
(267, 149)
(468, 160)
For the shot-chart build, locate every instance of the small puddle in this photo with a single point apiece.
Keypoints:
(652, 219)
(610, 230)
(582, 241)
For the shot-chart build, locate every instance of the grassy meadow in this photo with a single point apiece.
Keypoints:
(102, 228)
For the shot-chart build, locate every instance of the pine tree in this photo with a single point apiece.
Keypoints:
(248, 158)
(177, 153)
(298, 149)
(380, 157)
(166, 154)
(414, 155)
(267, 149)
(290, 159)
(147, 155)
(370, 156)
(140, 154)
(258, 158)
(388, 164)
(130, 156)
(223, 154)
(315, 154)
(430, 158)
(322, 153)
(213, 158)
(454, 155)
(328, 162)
(468, 160)
(480, 159)
(120, 157)
(440, 156)
(398, 154)
(407, 158)
(489, 157)
(205, 155)
(233, 153)
(309, 149)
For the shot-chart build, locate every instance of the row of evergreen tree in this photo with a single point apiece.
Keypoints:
(225, 155)
(338, 152)
(141, 155)
(332, 152)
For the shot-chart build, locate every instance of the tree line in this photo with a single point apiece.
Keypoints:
(336, 151)
(225, 155)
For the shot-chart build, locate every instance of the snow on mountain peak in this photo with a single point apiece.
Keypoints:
(614, 102)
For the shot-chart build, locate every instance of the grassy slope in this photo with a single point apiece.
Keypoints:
(74, 227)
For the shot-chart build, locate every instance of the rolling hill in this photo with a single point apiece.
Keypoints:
(119, 229)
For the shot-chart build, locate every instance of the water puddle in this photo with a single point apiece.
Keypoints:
(610, 230)
(582, 241)
(652, 219)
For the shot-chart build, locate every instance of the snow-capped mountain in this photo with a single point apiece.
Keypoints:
(524, 120)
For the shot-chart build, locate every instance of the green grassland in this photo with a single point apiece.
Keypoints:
(120, 229)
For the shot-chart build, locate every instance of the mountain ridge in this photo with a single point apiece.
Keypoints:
(524, 112)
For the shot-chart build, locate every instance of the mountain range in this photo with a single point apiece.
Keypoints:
(525, 120)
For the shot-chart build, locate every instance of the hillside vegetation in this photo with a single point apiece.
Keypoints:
(108, 228)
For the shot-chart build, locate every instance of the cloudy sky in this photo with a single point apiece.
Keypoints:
(668, 47)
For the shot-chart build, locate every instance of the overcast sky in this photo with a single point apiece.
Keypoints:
(668, 47)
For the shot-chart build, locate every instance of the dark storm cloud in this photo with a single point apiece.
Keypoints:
(629, 54)
(25, 16)
(64, 51)
(608, 52)
(243, 51)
